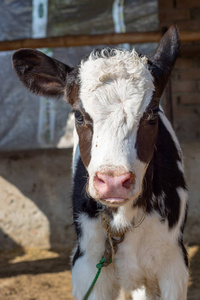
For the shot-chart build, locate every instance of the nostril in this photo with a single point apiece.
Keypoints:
(99, 180)
(127, 183)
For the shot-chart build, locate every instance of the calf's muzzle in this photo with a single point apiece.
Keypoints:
(114, 185)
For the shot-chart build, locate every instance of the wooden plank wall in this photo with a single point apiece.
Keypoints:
(185, 81)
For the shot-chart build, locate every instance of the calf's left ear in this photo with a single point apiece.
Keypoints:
(40, 73)
(163, 60)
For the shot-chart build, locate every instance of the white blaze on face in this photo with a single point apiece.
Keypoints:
(115, 92)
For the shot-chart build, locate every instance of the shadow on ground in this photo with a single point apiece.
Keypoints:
(14, 264)
(46, 275)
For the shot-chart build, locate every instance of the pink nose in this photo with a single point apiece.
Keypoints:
(113, 186)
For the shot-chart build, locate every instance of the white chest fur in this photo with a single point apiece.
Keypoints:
(142, 252)
(149, 256)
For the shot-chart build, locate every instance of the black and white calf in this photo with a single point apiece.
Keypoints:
(127, 164)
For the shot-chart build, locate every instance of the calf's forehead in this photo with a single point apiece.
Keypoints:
(118, 83)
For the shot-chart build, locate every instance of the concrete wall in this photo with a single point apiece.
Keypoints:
(35, 198)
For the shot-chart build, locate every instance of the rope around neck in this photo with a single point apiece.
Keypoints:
(114, 237)
(112, 241)
(99, 266)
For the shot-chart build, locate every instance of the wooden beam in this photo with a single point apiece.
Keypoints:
(100, 39)
(190, 36)
(81, 40)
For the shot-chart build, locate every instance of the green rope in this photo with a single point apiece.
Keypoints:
(99, 266)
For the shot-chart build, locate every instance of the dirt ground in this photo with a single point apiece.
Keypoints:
(45, 275)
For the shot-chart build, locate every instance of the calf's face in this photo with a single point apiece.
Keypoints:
(115, 90)
(115, 96)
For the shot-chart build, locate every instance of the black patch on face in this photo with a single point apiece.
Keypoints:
(85, 133)
(146, 133)
(85, 127)
(163, 176)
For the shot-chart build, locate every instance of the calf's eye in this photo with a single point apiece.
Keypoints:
(79, 117)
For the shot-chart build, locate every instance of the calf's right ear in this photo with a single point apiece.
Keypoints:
(164, 58)
(40, 73)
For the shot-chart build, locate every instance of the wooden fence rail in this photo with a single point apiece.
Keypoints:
(100, 39)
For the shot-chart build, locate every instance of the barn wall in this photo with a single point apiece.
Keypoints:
(186, 75)
(185, 86)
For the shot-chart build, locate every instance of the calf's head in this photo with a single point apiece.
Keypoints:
(115, 96)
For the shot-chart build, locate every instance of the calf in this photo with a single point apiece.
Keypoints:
(129, 187)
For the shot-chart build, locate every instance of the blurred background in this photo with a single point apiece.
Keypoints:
(36, 232)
